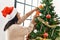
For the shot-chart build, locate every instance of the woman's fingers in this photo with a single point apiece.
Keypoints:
(34, 19)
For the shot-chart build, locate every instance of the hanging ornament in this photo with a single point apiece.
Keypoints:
(48, 16)
(41, 6)
(55, 19)
(45, 35)
(37, 13)
(35, 31)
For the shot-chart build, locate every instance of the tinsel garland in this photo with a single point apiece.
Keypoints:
(51, 26)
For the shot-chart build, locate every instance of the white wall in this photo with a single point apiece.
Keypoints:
(4, 3)
(57, 6)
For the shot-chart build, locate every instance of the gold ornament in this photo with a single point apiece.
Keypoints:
(41, 6)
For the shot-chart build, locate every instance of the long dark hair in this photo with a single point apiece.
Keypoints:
(13, 21)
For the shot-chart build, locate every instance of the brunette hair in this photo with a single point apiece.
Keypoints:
(13, 21)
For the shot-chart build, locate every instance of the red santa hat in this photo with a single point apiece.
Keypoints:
(9, 13)
(6, 11)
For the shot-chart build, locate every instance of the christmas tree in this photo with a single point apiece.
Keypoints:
(47, 27)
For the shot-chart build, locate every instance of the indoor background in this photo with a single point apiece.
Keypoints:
(24, 6)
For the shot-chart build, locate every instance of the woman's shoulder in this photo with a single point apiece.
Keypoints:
(16, 27)
(13, 26)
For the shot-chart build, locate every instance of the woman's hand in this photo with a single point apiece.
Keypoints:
(22, 19)
(36, 9)
(33, 20)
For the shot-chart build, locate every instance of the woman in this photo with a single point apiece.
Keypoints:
(13, 22)
(16, 32)
(14, 16)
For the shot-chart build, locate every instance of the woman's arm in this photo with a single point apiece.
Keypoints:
(21, 19)
(31, 26)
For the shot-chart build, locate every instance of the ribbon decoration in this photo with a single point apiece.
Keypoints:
(51, 26)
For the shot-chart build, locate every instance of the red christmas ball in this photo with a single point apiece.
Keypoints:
(48, 16)
(45, 35)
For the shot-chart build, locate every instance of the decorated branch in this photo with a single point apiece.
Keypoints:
(51, 26)
(47, 23)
